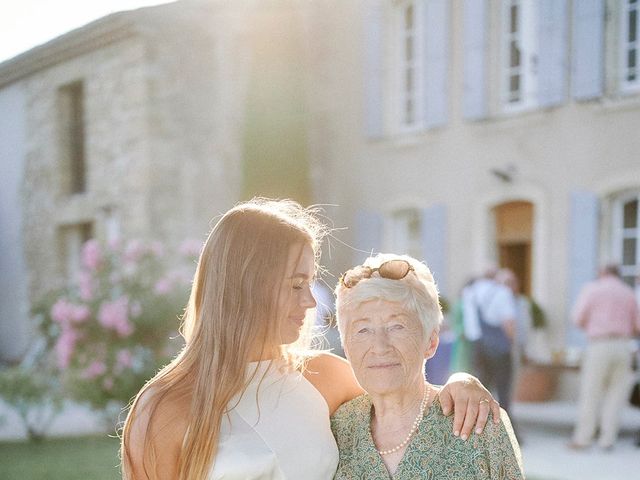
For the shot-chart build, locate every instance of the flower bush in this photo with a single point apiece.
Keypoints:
(117, 323)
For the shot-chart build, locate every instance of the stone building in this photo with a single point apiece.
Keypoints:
(462, 132)
(135, 126)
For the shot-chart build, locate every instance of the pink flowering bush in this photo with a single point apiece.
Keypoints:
(117, 323)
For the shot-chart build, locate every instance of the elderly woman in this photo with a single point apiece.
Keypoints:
(389, 317)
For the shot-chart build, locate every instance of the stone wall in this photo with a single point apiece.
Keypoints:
(163, 125)
(116, 152)
(165, 97)
(196, 81)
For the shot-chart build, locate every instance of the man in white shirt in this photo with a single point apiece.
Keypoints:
(489, 319)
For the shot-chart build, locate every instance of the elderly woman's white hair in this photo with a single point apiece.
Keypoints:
(417, 293)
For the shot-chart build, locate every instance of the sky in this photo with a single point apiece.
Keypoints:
(27, 23)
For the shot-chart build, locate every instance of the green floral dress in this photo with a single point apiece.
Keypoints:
(434, 452)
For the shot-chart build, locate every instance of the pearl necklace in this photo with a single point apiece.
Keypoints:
(414, 426)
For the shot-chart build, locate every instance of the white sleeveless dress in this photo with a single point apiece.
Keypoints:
(282, 434)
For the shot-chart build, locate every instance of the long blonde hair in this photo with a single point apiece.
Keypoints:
(232, 310)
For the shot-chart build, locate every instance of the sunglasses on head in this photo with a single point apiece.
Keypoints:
(391, 270)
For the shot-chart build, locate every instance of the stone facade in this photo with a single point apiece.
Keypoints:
(116, 146)
(163, 113)
(168, 96)
(163, 105)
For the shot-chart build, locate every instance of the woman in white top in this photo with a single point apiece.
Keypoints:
(245, 399)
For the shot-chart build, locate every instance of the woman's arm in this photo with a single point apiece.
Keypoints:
(465, 395)
(334, 379)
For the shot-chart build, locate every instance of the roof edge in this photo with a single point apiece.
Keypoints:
(97, 34)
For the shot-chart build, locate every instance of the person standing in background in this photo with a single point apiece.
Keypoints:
(607, 311)
(462, 352)
(523, 321)
(489, 319)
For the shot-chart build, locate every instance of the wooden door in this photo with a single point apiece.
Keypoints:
(514, 239)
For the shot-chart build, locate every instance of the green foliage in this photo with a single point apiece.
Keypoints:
(34, 393)
(444, 304)
(538, 316)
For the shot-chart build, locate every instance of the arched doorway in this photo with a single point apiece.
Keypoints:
(514, 233)
(514, 239)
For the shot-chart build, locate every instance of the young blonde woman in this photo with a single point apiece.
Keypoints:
(246, 398)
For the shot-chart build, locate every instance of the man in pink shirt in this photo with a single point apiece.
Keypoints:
(607, 311)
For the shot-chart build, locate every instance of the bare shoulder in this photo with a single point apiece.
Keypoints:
(333, 378)
(160, 425)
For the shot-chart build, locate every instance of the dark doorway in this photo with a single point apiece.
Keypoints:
(514, 239)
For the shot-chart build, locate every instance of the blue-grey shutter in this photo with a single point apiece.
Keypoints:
(474, 56)
(552, 52)
(434, 243)
(373, 69)
(436, 24)
(583, 249)
(368, 235)
(588, 49)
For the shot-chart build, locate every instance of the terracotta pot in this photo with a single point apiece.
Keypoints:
(535, 383)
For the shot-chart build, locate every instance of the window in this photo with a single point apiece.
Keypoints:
(71, 239)
(72, 137)
(518, 66)
(630, 72)
(626, 235)
(405, 232)
(410, 64)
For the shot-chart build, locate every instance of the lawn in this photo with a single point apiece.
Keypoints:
(79, 458)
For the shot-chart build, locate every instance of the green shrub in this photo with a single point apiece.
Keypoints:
(34, 393)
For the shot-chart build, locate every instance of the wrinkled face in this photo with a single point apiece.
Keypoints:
(386, 346)
(295, 294)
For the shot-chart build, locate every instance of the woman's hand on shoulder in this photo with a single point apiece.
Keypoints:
(470, 402)
(161, 428)
(333, 377)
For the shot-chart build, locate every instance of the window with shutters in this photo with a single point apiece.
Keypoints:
(626, 235)
(630, 23)
(409, 65)
(519, 56)
(404, 232)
